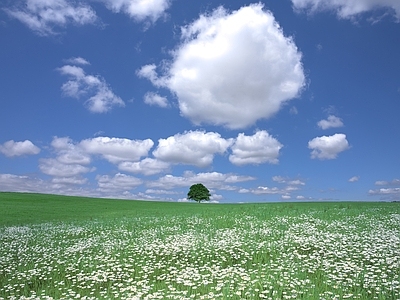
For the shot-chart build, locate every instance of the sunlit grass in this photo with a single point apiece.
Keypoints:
(269, 251)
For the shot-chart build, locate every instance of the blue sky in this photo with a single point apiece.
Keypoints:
(260, 101)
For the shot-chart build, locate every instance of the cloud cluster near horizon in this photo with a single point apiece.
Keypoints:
(229, 69)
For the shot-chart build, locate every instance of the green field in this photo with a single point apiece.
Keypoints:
(58, 247)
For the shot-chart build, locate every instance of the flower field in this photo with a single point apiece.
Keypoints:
(330, 251)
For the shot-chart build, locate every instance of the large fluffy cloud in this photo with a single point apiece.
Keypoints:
(256, 149)
(117, 150)
(140, 10)
(328, 147)
(101, 98)
(193, 147)
(232, 69)
(44, 16)
(348, 8)
(12, 148)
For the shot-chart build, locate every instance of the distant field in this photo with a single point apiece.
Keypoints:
(57, 247)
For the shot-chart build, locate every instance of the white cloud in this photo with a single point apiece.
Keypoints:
(149, 72)
(12, 148)
(18, 183)
(354, 179)
(331, 122)
(232, 69)
(54, 167)
(101, 98)
(393, 182)
(69, 180)
(155, 99)
(72, 157)
(160, 192)
(77, 61)
(147, 166)
(328, 147)
(58, 185)
(210, 180)
(139, 10)
(266, 190)
(290, 185)
(288, 181)
(120, 182)
(192, 147)
(279, 179)
(347, 9)
(68, 152)
(293, 110)
(69, 162)
(43, 16)
(117, 150)
(256, 149)
(390, 193)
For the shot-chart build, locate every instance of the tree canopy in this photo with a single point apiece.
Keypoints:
(198, 192)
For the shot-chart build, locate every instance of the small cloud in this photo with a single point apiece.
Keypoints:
(43, 17)
(192, 148)
(69, 180)
(120, 182)
(393, 182)
(101, 97)
(331, 122)
(328, 147)
(293, 110)
(160, 192)
(11, 148)
(155, 99)
(212, 180)
(139, 10)
(348, 9)
(256, 149)
(147, 166)
(77, 61)
(354, 178)
(117, 150)
(390, 193)
(183, 200)
(288, 181)
(54, 167)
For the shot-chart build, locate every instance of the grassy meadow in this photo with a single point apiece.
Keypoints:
(58, 247)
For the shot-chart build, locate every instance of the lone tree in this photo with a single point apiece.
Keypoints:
(198, 192)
